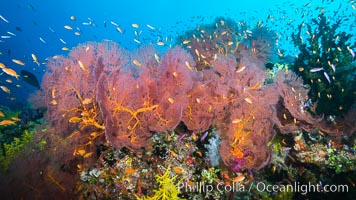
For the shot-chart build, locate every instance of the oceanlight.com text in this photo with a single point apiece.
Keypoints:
(200, 187)
(300, 188)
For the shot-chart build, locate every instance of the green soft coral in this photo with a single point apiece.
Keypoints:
(277, 67)
(11, 149)
(340, 161)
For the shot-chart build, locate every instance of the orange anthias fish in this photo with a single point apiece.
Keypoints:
(2, 65)
(10, 72)
(137, 63)
(82, 66)
(5, 89)
(130, 171)
(35, 60)
(177, 170)
(87, 155)
(68, 27)
(19, 62)
(7, 122)
(16, 119)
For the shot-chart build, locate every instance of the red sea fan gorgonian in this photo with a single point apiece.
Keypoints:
(151, 99)
(129, 96)
(176, 76)
(122, 102)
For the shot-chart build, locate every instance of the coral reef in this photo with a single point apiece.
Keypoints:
(130, 96)
(206, 112)
(330, 155)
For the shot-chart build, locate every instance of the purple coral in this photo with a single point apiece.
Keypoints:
(238, 164)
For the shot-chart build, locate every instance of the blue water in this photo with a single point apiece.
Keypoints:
(35, 19)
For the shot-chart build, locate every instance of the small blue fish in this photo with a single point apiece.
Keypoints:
(327, 77)
(51, 29)
(286, 148)
(204, 136)
(180, 138)
(317, 69)
(43, 41)
(4, 19)
(60, 39)
(11, 33)
(352, 53)
(333, 67)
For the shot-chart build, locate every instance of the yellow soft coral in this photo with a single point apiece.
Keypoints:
(168, 188)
